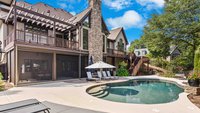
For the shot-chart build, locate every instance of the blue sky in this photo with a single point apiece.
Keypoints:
(130, 14)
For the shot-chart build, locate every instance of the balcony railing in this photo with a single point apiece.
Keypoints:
(41, 39)
(117, 53)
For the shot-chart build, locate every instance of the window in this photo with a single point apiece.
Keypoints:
(138, 53)
(86, 22)
(73, 35)
(85, 39)
(35, 34)
(104, 39)
(120, 45)
(144, 52)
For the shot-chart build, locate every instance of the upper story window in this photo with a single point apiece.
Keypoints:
(86, 22)
(85, 39)
(36, 29)
(144, 52)
(120, 45)
(138, 53)
(104, 43)
(73, 35)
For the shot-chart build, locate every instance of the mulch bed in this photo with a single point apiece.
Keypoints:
(195, 99)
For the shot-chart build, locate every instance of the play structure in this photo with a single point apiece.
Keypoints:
(136, 64)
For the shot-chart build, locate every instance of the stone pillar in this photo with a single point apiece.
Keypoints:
(95, 33)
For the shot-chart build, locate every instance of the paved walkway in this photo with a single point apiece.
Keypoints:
(71, 97)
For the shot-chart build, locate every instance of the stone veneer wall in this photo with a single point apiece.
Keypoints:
(95, 33)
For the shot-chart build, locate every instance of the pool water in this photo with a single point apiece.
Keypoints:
(138, 91)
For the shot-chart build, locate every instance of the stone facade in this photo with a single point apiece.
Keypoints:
(95, 33)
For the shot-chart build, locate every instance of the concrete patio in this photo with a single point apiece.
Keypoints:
(70, 96)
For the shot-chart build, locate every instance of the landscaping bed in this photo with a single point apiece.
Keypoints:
(195, 99)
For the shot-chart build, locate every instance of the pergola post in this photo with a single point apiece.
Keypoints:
(15, 23)
(54, 76)
(54, 72)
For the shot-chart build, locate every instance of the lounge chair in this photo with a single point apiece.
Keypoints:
(102, 77)
(33, 109)
(112, 77)
(19, 104)
(105, 75)
(26, 106)
(90, 78)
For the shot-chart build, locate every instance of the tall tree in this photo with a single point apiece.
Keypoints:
(179, 24)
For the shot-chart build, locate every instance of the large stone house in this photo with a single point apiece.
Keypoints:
(45, 43)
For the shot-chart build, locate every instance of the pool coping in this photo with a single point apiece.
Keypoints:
(156, 77)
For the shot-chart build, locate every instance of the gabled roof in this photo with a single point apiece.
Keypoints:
(47, 10)
(81, 16)
(115, 32)
(173, 49)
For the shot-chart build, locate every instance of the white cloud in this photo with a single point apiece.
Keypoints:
(151, 4)
(118, 4)
(130, 19)
(73, 13)
(62, 5)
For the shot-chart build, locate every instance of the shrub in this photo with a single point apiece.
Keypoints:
(1, 82)
(123, 64)
(197, 61)
(194, 76)
(122, 71)
(168, 74)
(1, 76)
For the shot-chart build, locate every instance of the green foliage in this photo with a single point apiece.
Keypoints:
(179, 64)
(136, 44)
(194, 77)
(159, 62)
(197, 61)
(168, 74)
(122, 71)
(1, 82)
(179, 24)
(123, 64)
(1, 76)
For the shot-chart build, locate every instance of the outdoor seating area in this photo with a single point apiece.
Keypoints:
(26, 106)
(97, 71)
(97, 76)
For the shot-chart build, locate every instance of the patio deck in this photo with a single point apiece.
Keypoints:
(70, 97)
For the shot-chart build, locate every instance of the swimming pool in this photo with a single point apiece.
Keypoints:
(140, 91)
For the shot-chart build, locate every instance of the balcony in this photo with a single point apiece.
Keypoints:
(115, 53)
(33, 38)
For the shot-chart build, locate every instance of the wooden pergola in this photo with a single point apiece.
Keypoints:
(6, 2)
(27, 14)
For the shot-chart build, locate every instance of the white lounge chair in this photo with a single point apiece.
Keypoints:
(105, 75)
(112, 77)
(101, 76)
(90, 78)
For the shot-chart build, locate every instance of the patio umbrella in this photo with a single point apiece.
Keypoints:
(100, 65)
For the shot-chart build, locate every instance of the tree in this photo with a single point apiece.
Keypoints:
(197, 61)
(136, 44)
(179, 24)
(154, 38)
(183, 22)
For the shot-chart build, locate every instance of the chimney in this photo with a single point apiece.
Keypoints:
(95, 33)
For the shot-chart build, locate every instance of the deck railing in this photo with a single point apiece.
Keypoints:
(40, 39)
(117, 53)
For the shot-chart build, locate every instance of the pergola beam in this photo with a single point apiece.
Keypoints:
(42, 15)
(38, 21)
